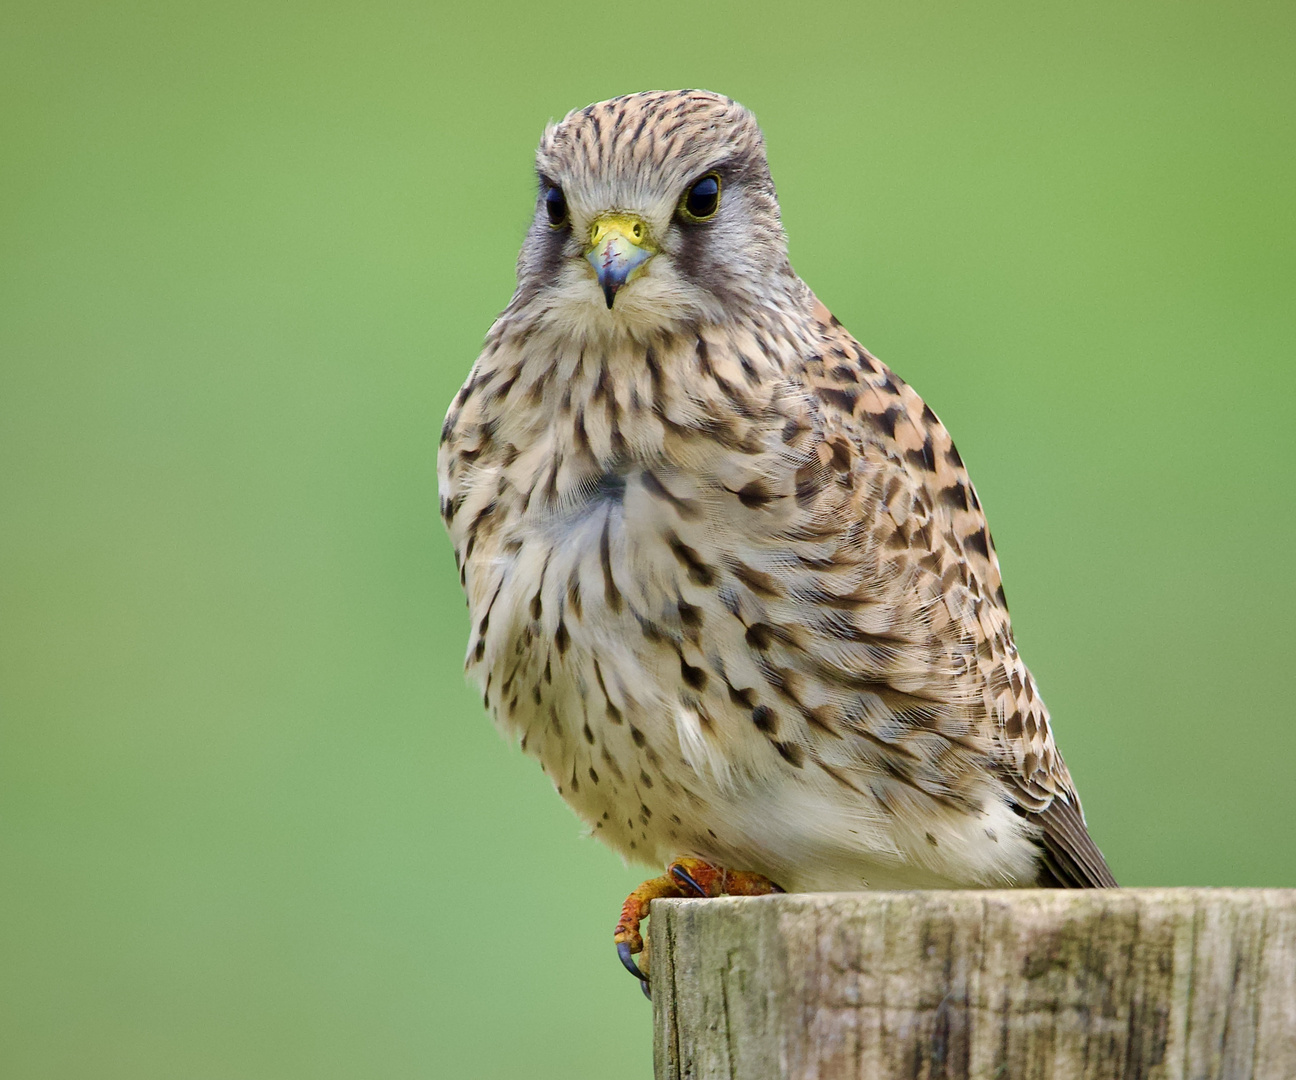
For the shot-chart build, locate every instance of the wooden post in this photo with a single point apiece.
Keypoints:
(1013, 985)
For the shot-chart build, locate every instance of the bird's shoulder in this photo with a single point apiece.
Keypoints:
(910, 481)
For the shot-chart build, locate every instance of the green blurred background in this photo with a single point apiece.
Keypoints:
(252, 822)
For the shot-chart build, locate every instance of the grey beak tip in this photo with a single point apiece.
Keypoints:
(609, 294)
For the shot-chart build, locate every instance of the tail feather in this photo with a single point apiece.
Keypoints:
(1069, 858)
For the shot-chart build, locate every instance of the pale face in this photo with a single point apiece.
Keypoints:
(647, 217)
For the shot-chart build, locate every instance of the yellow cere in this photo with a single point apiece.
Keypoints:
(632, 228)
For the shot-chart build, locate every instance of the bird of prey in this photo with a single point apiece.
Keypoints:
(729, 581)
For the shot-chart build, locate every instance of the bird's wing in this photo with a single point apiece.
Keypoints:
(923, 524)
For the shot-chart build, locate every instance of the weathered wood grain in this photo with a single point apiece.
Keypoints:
(1186, 984)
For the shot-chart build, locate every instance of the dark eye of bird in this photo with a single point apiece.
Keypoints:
(556, 205)
(702, 199)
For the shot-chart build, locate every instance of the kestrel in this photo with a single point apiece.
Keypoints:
(729, 581)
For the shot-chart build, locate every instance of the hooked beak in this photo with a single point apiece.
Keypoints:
(619, 245)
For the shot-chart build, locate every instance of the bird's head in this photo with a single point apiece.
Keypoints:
(654, 208)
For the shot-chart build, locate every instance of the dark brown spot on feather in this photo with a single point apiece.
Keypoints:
(758, 581)
(574, 593)
(821, 597)
(655, 487)
(652, 631)
(698, 571)
(754, 494)
(654, 371)
(690, 616)
(500, 392)
(704, 358)
(791, 753)
(581, 435)
(924, 458)
(843, 399)
(821, 717)
(810, 481)
(610, 591)
(693, 676)
(955, 495)
(841, 455)
(840, 778)
(612, 765)
(887, 420)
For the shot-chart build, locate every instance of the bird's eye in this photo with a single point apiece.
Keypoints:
(702, 199)
(556, 206)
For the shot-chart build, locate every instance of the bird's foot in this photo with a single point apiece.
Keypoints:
(683, 878)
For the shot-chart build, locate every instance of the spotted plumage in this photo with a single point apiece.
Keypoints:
(729, 580)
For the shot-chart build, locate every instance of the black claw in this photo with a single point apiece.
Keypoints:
(643, 985)
(627, 961)
(680, 874)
